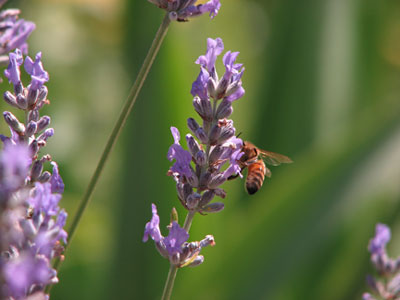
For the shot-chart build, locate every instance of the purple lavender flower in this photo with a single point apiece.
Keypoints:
(57, 184)
(181, 10)
(174, 246)
(377, 244)
(13, 31)
(181, 156)
(389, 286)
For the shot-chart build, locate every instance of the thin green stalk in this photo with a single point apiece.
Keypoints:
(169, 284)
(131, 99)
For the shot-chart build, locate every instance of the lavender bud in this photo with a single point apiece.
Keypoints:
(215, 154)
(226, 134)
(173, 16)
(224, 110)
(18, 88)
(34, 147)
(211, 88)
(201, 135)
(13, 122)
(220, 192)
(31, 128)
(33, 115)
(197, 261)
(22, 101)
(192, 124)
(45, 177)
(216, 181)
(222, 86)
(43, 123)
(174, 215)
(213, 207)
(200, 158)
(28, 228)
(204, 180)
(46, 134)
(193, 180)
(42, 93)
(192, 144)
(207, 241)
(36, 170)
(193, 201)
(206, 198)
(214, 134)
(10, 99)
(32, 96)
(203, 108)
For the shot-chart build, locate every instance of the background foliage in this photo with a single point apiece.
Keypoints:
(322, 86)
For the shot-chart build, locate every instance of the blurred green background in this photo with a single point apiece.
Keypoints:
(322, 86)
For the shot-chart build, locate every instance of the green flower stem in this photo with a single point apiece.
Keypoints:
(169, 284)
(134, 92)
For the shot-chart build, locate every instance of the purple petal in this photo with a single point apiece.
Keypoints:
(175, 134)
(152, 228)
(175, 239)
(57, 184)
(12, 72)
(35, 69)
(212, 7)
(214, 48)
(199, 87)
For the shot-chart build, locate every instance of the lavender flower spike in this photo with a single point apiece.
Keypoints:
(181, 10)
(387, 285)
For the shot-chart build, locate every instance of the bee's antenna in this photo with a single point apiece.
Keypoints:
(239, 134)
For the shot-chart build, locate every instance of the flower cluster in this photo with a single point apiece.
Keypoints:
(387, 268)
(31, 222)
(214, 149)
(13, 32)
(181, 10)
(174, 246)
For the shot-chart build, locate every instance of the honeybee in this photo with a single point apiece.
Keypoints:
(253, 159)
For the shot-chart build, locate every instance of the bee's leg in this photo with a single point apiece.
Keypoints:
(233, 176)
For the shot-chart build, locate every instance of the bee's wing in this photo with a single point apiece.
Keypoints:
(268, 172)
(274, 159)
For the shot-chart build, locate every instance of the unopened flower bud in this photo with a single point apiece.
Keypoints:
(13, 122)
(211, 88)
(220, 192)
(45, 177)
(192, 144)
(175, 258)
(204, 180)
(173, 16)
(33, 115)
(215, 154)
(216, 181)
(42, 93)
(222, 86)
(207, 241)
(213, 207)
(193, 200)
(226, 134)
(214, 134)
(31, 128)
(22, 101)
(200, 158)
(18, 88)
(43, 123)
(206, 198)
(192, 124)
(10, 99)
(197, 261)
(203, 108)
(46, 134)
(34, 148)
(32, 97)
(162, 250)
(201, 135)
(225, 109)
(193, 180)
(174, 215)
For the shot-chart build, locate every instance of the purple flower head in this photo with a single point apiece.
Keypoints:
(35, 69)
(12, 72)
(152, 228)
(24, 271)
(378, 243)
(175, 239)
(182, 157)
(233, 75)
(57, 184)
